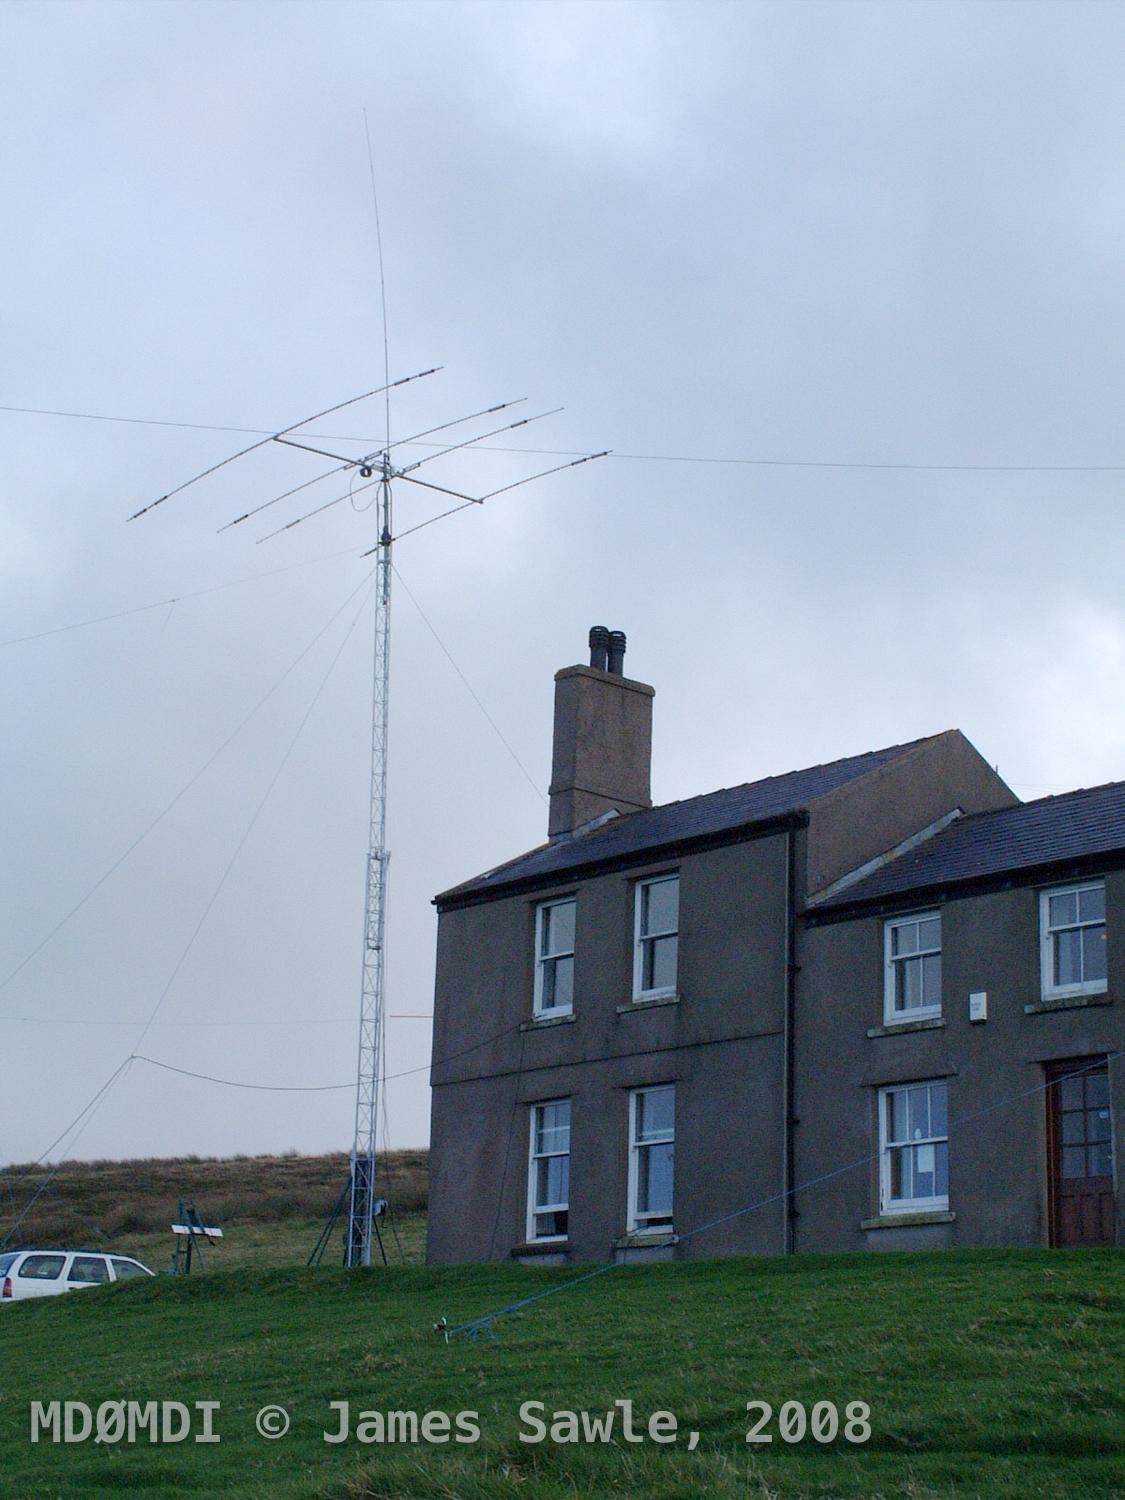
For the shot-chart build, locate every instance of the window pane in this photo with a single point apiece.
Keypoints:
(1073, 1132)
(923, 1172)
(1074, 1161)
(557, 928)
(931, 979)
(553, 1140)
(904, 938)
(552, 1181)
(655, 1114)
(1097, 1090)
(564, 982)
(654, 1179)
(937, 1110)
(562, 927)
(1091, 904)
(1093, 953)
(88, 1269)
(558, 983)
(929, 934)
(1097, 1125)
(660, 909)
(941, 1170)
(896, 1116)
(1063, 910)
(552, 1127)
(126, 1269)
(662, 963)
(1070, 1093)
(1100, 1163)
(919, 1105)
(558, 1112)
(898, 1173)
(908, 984)
(42, 1267)
(1068, 957)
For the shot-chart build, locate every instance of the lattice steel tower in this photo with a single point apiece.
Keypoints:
(357, 1251)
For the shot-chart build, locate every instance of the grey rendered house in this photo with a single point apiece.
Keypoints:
(959, 1034)
(666, 1031)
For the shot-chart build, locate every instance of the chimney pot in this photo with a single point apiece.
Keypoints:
(616, 653)
(599, 647)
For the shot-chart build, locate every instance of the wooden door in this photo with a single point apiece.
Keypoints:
(1080, 1152)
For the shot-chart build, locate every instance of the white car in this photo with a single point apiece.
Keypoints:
(46, 1273)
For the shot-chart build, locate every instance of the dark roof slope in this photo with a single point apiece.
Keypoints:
(1075, 828)
(674, 824)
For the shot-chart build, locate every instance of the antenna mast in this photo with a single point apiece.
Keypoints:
(361, 1203)
(378, 471)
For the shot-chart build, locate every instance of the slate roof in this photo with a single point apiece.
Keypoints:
(627, 838)
(1076, 828)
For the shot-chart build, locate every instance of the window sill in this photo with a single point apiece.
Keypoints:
(907, 1220)
(647, 1239)
(646, 1002)
(540, 1247)
(537, 1023)
(1066, 1002)
(893, 1028)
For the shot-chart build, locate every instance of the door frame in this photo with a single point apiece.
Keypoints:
(1055, 1069)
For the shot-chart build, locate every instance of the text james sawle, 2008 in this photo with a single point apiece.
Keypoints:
(121, 1421)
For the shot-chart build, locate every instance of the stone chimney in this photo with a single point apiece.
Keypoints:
(603, 738)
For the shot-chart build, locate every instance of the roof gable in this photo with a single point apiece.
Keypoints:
(631, 838)
(1072, 828)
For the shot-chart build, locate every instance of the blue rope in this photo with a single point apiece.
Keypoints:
(483, 1325)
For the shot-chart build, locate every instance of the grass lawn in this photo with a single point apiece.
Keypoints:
(990, 1373)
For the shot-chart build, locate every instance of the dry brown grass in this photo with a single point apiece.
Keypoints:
(84, 1203)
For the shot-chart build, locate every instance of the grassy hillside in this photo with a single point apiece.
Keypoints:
(272, 1208)
(996, 1374)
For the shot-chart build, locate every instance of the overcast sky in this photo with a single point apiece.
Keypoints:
(840, 284)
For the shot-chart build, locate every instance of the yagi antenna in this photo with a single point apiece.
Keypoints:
(367, 466)
(378, 472)
(276, 436)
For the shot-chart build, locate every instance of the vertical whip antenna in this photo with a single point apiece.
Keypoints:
(382, 280)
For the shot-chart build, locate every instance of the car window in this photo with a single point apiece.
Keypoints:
(123, 1269)
(89, 1268)
(6, 1261)
(42, 1267)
